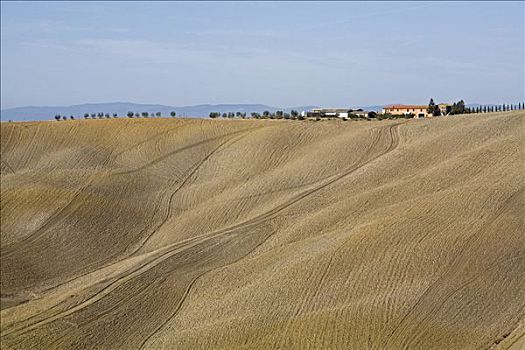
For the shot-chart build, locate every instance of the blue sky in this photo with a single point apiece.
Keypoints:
(281, 54)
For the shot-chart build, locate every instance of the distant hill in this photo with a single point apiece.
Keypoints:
(122, 108)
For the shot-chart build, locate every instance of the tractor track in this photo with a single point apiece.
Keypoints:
(391, 131)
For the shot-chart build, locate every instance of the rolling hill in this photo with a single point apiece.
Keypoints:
(263, 234)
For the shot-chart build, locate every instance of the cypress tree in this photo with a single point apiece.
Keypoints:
(431, 106)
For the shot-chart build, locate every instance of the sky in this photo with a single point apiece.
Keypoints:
(331, 54)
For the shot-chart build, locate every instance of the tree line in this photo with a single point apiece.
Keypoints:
(293, 114)
(102, 115)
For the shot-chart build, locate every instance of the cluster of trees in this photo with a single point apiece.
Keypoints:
(99, 115)
(228, 115)
(131, 114)
(63, 117)
(293, 115)
(456, 108)
(433, 108)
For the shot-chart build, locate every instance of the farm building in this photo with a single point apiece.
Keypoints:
(445, 108)
(330, 112)
(417, 110)
(337, 113)
(362, 113)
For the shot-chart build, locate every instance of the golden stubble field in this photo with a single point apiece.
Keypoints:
(246, 234)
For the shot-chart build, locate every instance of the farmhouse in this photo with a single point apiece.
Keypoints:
(419, 111)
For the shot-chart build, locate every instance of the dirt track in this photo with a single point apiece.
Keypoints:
(188, 234)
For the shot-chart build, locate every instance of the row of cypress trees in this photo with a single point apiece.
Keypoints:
(496, 108)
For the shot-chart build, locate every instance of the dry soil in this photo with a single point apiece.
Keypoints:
(262, 234)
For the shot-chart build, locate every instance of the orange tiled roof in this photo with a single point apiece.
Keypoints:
(406, 107)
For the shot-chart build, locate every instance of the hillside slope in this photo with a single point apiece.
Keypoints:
(246, 234)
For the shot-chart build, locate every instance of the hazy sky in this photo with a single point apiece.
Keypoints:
(281, 54)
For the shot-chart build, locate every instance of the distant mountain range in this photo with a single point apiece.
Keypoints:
(122, 108)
